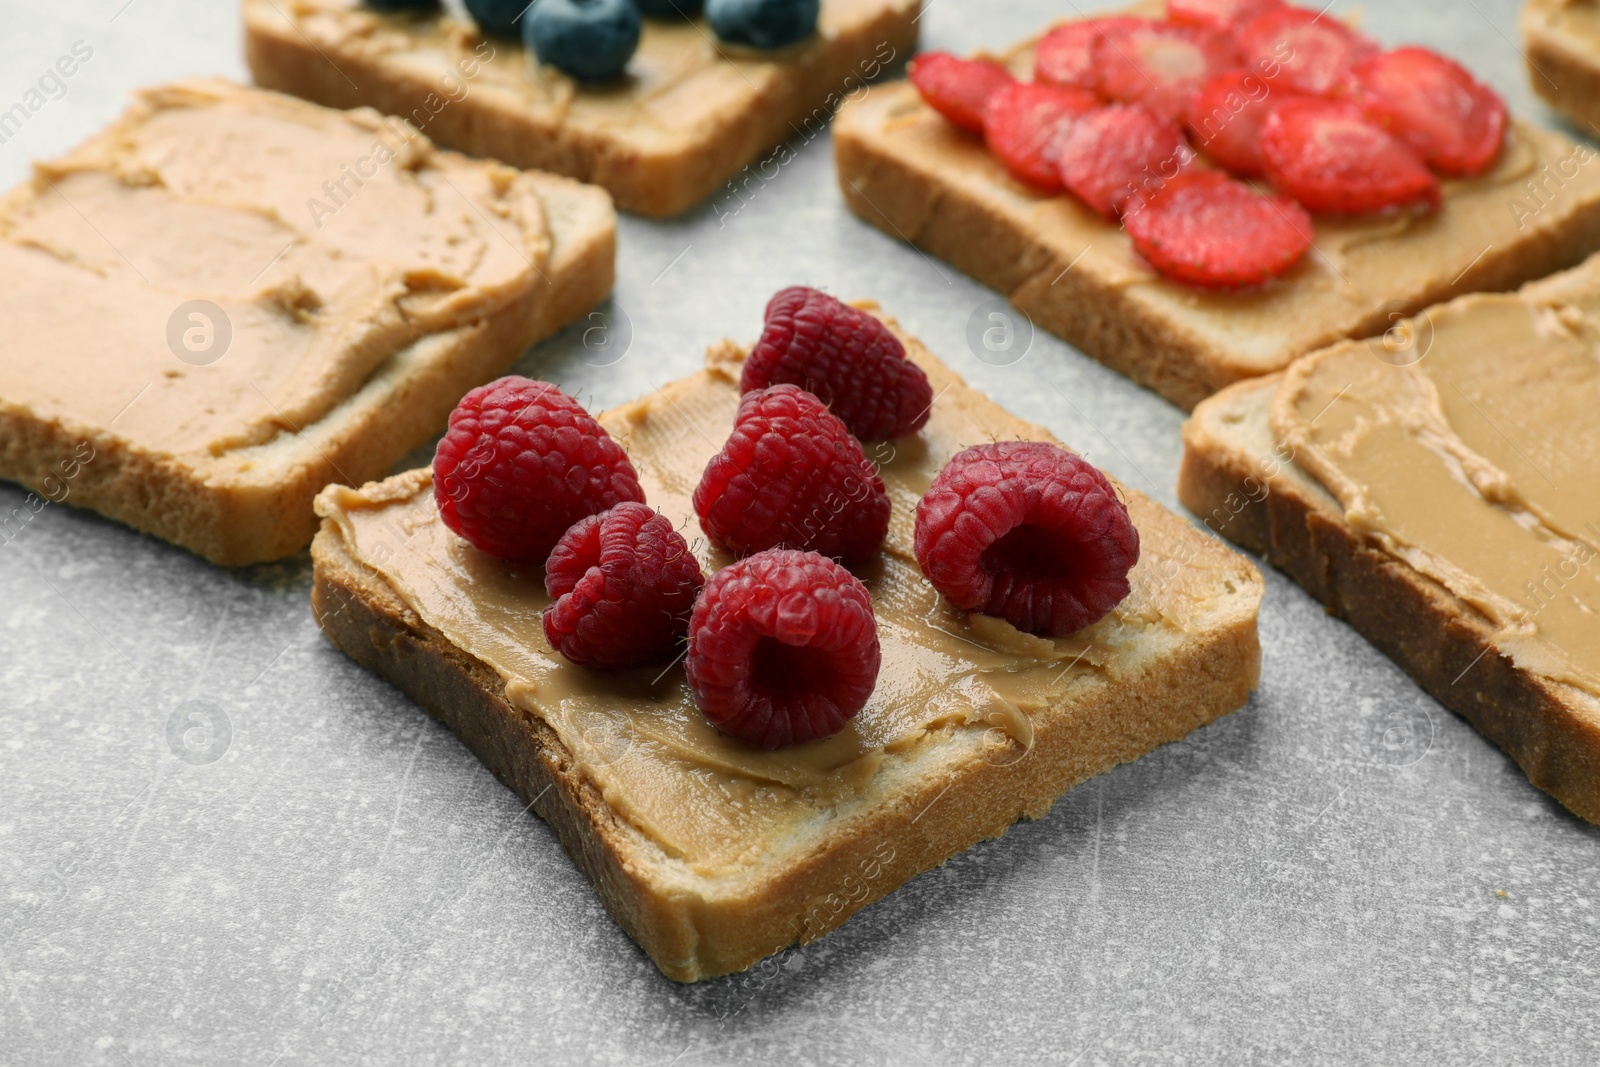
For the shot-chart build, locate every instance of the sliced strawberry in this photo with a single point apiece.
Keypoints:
(1025, 121)
(1303, 50)
(1449, 118)
(959, 89)
(1207, 229)
(1160, 65)
(1225, 119)
(1217, 14)
(1065, 55)
(1112, 155)
(1326, 155)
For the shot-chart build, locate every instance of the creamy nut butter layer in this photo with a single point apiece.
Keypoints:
(332, 254)
(1478, 464)
(689, 113)
(709, 827)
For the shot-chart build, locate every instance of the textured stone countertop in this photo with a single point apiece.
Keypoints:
(1340, 872)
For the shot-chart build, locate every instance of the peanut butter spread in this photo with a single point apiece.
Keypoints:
(1478, 464)
(707, 799)
(680, 79)
(330, 241)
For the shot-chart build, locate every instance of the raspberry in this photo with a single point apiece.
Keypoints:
(783, 648)
(1217, 14)
(959, 89)
(1029, 532)
(1327, 156)
(1114, 154)
(1207, 229)
(1225, 119)
(623, 584)
(1449, 118)
(1303, 50)
(791, 475)
(846, 358)
(1160, 65)
(521, 462)
(1025, 122)
(1065, 55)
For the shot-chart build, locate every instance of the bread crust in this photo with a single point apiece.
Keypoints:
(935, 802)
(255, 504)
(984, 235)
(1550, 730)
(656, 184)
(1563, 75)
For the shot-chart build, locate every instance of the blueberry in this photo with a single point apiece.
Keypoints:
(670, 9)
(497, 17)
(589, 39)
(404, 5)
(763, 23)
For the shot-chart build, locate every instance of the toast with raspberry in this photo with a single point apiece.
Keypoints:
(1563, 53)
(692, 115)
(195, 305)
(712, 852)
(1203, 281)
(1247, 482)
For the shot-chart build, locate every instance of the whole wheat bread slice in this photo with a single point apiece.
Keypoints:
(921, 805)
(247, 504)
(1563, 53)
(1245, 486)
(696, 132)
(917, 177)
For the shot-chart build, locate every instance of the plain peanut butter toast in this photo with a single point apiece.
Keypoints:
(716, 845)
(1436, 488)
(230, 298)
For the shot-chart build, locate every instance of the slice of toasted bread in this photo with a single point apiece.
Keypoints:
(938, 761)
(1563, 41)
(691, 113)
(328, 375)
(919, 178)
(1246, 486)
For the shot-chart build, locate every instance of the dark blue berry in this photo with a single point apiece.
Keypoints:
(404, 5)
(589, 39)
(497, 17)
(763, 23)
(670, 9)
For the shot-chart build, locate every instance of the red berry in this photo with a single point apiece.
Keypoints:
(1306, 51)
(1217, 14)
(1029, 532)
(1065, 55)
(783, 648)
(1160, 65)
(1025, 122)
(791, 475)
(848, 359)
(1114, 154)
(959, 89)
(1454, 122)
(1331, 159)
(1225, 119)
(520, 463)
(623, 584)
(1207, 229)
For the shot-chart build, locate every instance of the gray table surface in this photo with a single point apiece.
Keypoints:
(1340, 872)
